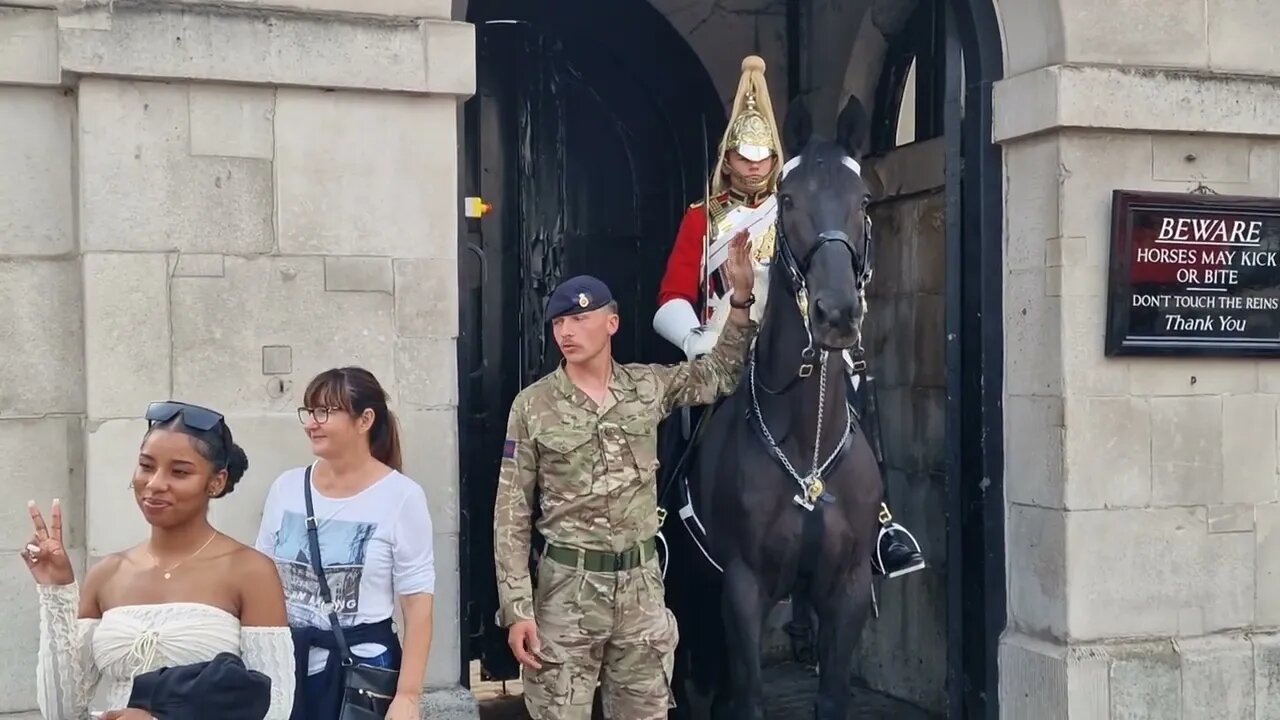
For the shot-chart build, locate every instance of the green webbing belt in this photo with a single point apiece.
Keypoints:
(598, 561)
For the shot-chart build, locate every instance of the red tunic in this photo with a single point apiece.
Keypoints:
(683, 278)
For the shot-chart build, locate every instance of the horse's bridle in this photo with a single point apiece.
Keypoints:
(796, 270)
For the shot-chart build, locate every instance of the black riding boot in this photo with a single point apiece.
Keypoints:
(897, 552)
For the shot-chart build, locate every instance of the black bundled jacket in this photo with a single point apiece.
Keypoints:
(220, 689)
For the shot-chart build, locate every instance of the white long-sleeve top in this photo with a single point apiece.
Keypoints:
(76, 656)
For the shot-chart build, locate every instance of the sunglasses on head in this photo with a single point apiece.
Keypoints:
(193, 416)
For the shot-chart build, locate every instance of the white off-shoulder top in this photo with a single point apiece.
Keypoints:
(76, 656)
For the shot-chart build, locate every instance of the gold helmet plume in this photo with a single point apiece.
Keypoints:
(752, 130)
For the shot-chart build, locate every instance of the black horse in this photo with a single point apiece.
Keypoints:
(782, 485)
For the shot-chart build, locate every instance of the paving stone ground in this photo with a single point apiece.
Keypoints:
(789, 687)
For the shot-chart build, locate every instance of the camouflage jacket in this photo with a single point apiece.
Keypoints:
(596, 466)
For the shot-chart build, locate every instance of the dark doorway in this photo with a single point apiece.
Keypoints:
(588, 146)
(953, 48)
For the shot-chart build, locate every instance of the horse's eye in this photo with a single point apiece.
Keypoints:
(785, 200)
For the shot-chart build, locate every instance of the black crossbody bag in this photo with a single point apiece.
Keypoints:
(367, 690)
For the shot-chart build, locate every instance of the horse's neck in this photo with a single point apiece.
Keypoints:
(783, 338)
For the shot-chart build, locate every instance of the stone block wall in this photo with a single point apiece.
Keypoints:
(1141, 493)
(904, 651)
(42, 364)
(214, 205)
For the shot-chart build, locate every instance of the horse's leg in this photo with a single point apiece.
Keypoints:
(722, 704)
(841, 615)
(743, 616)
(800, 628)
(693, 702)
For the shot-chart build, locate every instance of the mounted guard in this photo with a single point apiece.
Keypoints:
(693, 297)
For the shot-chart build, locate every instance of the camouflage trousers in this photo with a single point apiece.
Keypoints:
(611, 627)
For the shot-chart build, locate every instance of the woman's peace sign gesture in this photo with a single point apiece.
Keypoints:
(46, 557)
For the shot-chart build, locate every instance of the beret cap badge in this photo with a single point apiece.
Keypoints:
(578, 294)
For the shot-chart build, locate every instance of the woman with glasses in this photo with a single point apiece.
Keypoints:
(182, 597)
(373, 533)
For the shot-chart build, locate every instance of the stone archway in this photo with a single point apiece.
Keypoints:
(1037, 40)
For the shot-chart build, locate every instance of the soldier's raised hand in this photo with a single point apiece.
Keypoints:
(741, 273)
(44, 554)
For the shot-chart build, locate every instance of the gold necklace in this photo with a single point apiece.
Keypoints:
(168, 573)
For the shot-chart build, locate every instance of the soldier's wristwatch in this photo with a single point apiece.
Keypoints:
(750, 301)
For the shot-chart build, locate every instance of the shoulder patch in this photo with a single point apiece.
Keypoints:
(509, 449)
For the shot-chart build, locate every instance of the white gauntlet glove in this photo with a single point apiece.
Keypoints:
(678, 324)
(698, 343)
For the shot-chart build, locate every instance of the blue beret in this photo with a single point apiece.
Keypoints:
(578, 294)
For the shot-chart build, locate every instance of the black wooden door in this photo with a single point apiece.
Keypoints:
(587, 172)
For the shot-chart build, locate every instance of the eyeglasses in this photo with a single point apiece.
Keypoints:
(193, 416)
(319, 414)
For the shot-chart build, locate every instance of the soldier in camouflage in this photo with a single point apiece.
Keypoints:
(585, 436)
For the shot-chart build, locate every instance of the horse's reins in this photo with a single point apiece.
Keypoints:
(812, 487)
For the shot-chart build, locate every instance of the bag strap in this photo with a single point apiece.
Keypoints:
(313, 534)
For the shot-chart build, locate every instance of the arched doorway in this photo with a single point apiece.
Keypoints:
(976, 597)
(533, 66)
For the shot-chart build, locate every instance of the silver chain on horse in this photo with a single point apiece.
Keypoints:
(811, 485)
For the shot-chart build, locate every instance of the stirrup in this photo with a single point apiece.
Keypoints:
(877, 560)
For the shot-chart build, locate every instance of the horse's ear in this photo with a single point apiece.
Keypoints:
(852, 127)
(798, 128)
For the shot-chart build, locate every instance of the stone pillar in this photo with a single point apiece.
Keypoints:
(1142, 493)
(42, 370)
(213, 204)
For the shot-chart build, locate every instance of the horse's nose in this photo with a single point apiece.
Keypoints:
(829, 314)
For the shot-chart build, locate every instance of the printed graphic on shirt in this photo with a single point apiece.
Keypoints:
(343, 545)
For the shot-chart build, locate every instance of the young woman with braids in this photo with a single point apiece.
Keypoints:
(182, 597)
(374, 535)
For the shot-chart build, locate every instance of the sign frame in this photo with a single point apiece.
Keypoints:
(1119, 341)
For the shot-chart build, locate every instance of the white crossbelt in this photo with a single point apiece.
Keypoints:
(755, 221)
